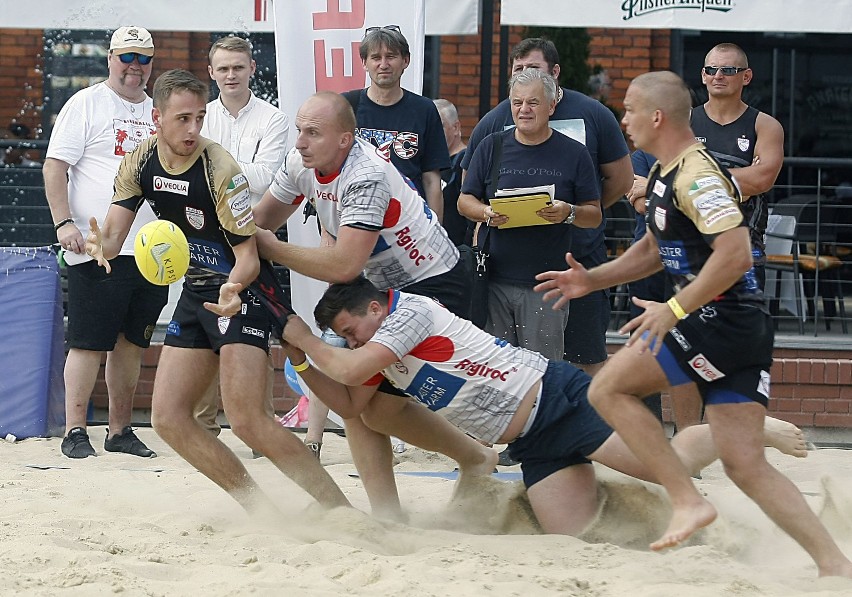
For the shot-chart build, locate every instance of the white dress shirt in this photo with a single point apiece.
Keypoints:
(257, 138)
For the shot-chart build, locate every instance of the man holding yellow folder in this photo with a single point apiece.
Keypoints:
(530, 156)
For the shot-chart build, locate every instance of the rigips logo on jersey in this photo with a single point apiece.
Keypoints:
(169, 185)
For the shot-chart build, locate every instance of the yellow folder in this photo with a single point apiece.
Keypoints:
(521, 205)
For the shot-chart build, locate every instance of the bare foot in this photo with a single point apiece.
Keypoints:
(483, 465)
(684, 522)
(784, 437)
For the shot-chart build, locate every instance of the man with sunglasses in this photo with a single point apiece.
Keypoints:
(403, 125)
(750, 144)
(113, 314)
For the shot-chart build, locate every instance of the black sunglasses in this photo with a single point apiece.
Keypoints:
(728, 71)
(128, 57)
(370, 30)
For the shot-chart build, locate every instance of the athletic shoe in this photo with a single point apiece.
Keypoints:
(127, 442)
(76, 444)
(315, 448)
(505, 459)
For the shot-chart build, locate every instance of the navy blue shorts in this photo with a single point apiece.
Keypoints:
(193, 326)
(566, 428)
(725, 349)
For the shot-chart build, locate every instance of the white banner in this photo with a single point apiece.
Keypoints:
(443, 17)
(814, 16)
(316, 46)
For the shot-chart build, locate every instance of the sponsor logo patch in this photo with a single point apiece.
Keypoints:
(703, 183)
(241, 223)
(704, 368)
(763, 384)
(169, 185)
(239, 203)
(720, 215)
(253, 332)
(659, 188)
(237, 181)
(680, 339)
(711, 201)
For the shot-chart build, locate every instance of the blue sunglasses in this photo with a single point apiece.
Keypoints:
(128, 57)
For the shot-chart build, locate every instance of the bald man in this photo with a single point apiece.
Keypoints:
(380, 226)
(715, 330)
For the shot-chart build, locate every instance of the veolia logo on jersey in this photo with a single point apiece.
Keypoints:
(705, 368)
(168, 185)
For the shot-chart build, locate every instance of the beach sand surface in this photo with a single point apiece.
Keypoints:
(121, 525)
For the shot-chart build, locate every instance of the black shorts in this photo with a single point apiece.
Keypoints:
(101, 306)
(725, 349)
(566, 428)
(193, 326)
(585, 333)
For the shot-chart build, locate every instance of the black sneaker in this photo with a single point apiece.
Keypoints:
(76, 444)
(505, 459)
(127, 442)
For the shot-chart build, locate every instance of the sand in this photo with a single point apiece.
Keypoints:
(117, 524)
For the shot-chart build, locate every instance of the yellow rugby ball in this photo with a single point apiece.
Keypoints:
(161, 252)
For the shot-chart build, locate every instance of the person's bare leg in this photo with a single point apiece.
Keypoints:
(317, 417)
(686, 406)
(696, 449)
(566, 502)
(415, 424)
(373, 459)
(81, 373)
(737, 432)
(247, 408)
(183, 374)
(207, 409)
(615, 392)
(121, 376)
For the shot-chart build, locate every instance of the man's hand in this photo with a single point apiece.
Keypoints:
(555, 213)
(636, 194)
(296, 331)
(266, 242)
(229, 300)
(493, 218)
(71, 239)
(94, 245)
(564, 285)
(649, 329)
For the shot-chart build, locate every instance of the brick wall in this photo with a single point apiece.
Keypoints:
(811, 388)
(21, 63)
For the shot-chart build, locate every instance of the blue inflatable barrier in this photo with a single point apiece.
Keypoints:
(32, 355)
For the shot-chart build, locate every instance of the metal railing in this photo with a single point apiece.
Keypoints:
(825, 185)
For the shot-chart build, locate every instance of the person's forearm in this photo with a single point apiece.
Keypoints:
(320, 263)
(245, 270)
(638, 262)
(471, 208)
(56, 189)
(434, 194)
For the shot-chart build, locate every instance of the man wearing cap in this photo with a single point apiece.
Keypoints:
(115, 313)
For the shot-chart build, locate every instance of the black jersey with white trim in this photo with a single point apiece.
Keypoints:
(693, 200)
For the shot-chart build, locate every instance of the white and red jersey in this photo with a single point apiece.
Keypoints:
(369, 193)
(475, 380)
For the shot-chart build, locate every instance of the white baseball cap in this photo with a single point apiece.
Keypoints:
(132, 39)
